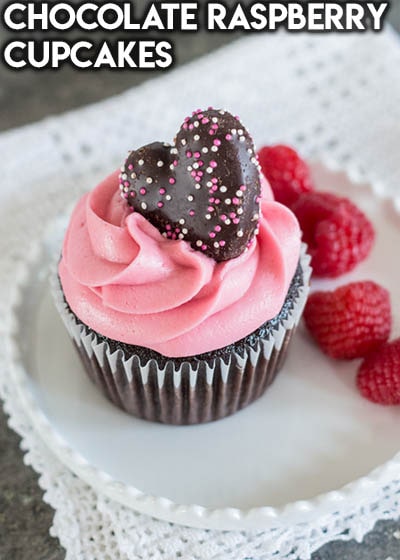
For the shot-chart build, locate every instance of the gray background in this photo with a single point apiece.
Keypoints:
(26, 97)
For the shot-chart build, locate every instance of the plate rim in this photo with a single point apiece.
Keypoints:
(193, 515)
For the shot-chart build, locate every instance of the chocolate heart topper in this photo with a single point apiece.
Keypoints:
(204, 189)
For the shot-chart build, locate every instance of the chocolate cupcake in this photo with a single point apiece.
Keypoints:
(181, 280)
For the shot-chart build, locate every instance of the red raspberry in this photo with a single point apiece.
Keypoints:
(351, 321)
(286, 172)
(378, 377)
(338, 234)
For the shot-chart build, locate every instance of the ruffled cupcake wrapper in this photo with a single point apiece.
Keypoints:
(184, 392)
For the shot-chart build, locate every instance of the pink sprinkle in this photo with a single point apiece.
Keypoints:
(203, 247)
(235, 200)
(232, 215)
(222, 243)
(212, 234)
(171, 181)
(210, 209)
(188, 153)
(228, 137)
(126, 195)
(191, 127)
(201, 163)
(211, 200)
(126, 183)
(211, 132)
(258, 198)
(200, 173)
(217, 142)
(218, 228)
(173, 236)
(197, 178)
(214, 126)
(196, 154)
(193, 173)
(205, 120)
(187, 119)
(142, 190)
(214, 180)
(175, 162)
(168, 226)
(213, 163)
(169, 234)
(132, 193)
(217, 201)
(223, 217)
(200, 114)
(242, 188)
(130, 167)
(177, 230)
(214, 188)
(162, 191)
(160, 204)
(191, 212)
(185, 126)
(235, 220)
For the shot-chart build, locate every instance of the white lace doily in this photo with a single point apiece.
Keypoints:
(334, 96)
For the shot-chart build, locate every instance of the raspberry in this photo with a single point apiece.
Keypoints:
(351, 321)
(338, 234)
(287, 173)
(378, 378)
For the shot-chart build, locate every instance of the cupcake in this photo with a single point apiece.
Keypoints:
(181, 280)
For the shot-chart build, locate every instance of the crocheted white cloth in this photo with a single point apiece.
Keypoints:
(335, 96)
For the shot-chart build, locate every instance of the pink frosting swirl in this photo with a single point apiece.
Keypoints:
(123, 279)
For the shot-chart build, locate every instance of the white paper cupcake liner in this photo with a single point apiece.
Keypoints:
(179, 391)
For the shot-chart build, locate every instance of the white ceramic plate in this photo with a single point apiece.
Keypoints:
(289, 457)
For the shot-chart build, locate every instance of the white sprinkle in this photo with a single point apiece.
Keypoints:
(204, 150)
(126, 189)
(199, 243)
(222, 112)
(168, 197)
(256, 231)
(396, 535)
(140, 162)
(216, 244)
(234, 131)
(223, 188)
(183, 142)
(164, 234)
(190, 197)
(208, 216)
(184, 230)
(227, 221)
(195, 165)
(240, 233)
(166, 145)
(143, 205)
(209, 170)
(240, 132)
(242, 138)
(182, 221)
(228, 201)
(149, 180)
(214, 120)
(189, 168)
(172, 167)
(180, 236)
(173, 151)
(196, 123)
(196, 137)
(122, 168)
(253, 160)
(239, 211)
(133, 175)
(197, 186)
(255, 217)
(209, 184)
(214, 148)
(249, 151)
(124, 176)
(239, 193)
(160, 163)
